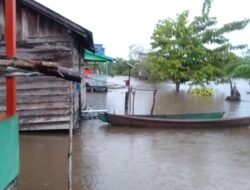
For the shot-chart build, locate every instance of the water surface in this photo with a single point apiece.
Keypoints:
(121, 158)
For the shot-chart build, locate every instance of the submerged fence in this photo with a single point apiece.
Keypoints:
(97, 80)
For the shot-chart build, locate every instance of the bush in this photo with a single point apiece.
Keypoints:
(201, 91)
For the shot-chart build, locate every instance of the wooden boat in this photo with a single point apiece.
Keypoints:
(148, 121)
(212, 115)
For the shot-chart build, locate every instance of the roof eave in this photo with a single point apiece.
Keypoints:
(83, 33)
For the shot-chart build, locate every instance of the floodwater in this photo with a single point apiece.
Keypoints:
(122, 158)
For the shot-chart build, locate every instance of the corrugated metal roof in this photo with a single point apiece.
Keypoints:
(95, 57)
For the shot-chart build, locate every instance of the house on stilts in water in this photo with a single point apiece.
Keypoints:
(47, 102)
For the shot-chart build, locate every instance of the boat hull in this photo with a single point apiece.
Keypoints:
(193, 116)
(136, 121)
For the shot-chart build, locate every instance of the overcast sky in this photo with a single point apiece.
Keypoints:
(117, 24)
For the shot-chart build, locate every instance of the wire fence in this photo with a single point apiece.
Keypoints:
(111, 84)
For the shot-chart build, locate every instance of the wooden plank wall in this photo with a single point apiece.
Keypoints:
(76, 92)
(42, 102)
(83, 91)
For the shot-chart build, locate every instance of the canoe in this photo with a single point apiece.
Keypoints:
(146, 121)
(212, 115)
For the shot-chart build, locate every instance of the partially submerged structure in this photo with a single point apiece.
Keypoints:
(97, 79)
(10, 67)
(46, 102)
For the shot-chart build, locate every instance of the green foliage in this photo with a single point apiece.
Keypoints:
(237, 68)
(121, 67)
(137, 57)
(242, 71)
(180, 48)
(118, 67)
(201, 91)
(150, 70)
(173, 42)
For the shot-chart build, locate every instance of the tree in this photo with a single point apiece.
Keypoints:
(237, 68)
(137, 57)
(181, 49)
(172, 41)
(118, 67)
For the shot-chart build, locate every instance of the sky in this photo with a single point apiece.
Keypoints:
(118, 24)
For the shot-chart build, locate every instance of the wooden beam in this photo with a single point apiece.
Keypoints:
(10, 96)
(47, 68)
(10, 48)
(10, 27)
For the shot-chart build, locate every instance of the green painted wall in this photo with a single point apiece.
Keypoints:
(9, 151)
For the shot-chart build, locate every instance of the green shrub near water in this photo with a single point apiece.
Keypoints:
(201, 91)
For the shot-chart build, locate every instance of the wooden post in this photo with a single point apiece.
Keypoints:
(133, 102)
(126, 102)
(129, 76)
(129, 100)
(70, 147)
(128, 95)
(10, 45)
(152, 109)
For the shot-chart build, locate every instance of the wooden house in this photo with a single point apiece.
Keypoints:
(46, 103)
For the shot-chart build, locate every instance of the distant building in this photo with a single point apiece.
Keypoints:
(99, 49)
(97, 79)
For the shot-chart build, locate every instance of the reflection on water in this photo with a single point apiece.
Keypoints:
(121, 158)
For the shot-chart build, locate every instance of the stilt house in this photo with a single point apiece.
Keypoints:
(43, 102)
(98, 63)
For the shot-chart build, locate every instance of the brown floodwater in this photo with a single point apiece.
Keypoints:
(122, 158)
